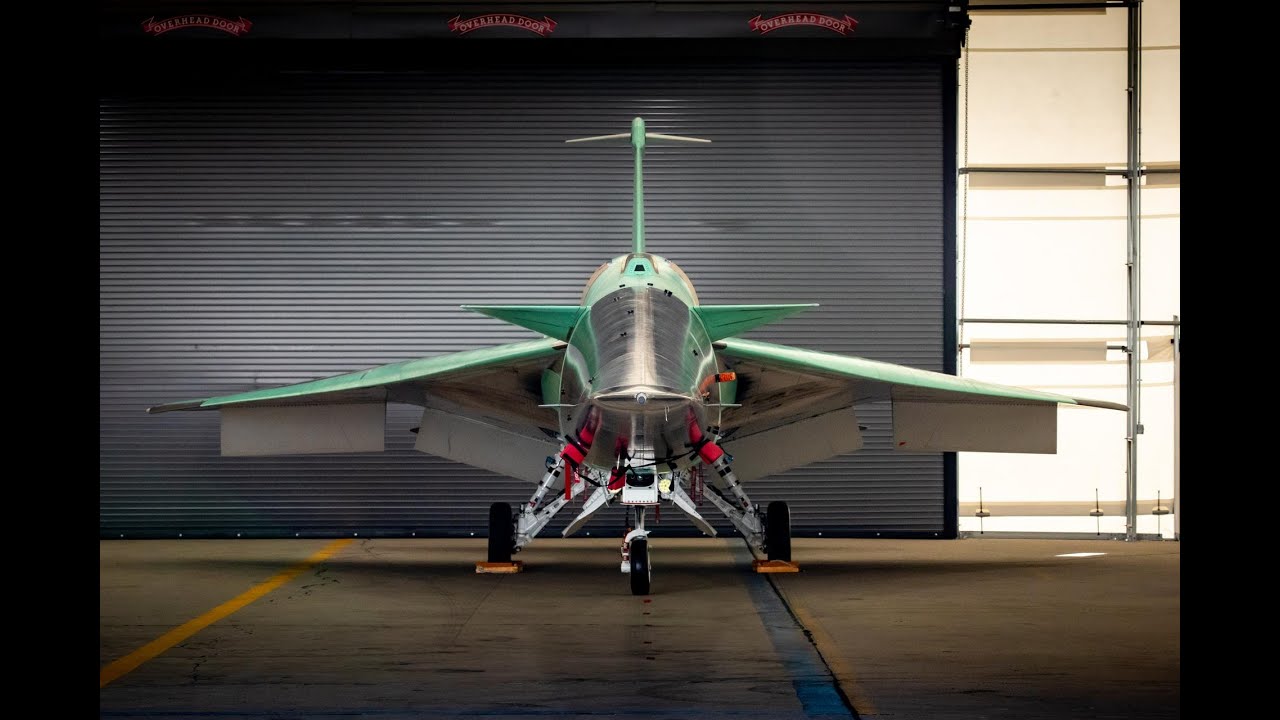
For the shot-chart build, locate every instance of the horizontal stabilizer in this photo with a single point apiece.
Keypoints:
(724, 321)
(555, 321)
(651, 136)
(593, 138)
(681, 138)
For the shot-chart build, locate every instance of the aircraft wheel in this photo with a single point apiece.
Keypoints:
(777, 535)
(502, 531)
(640, 570)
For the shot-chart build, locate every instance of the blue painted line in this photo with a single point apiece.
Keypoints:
(814, 684)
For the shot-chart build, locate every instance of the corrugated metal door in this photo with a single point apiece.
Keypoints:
(308, 224)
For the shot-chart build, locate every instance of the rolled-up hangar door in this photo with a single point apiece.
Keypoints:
(272, 224)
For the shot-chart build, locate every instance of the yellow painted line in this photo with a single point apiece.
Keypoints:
(130, 662)
(827, 648)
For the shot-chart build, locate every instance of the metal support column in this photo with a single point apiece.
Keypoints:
(1133, 326)
(1177, 439)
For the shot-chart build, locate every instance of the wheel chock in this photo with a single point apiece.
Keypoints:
(774, 566)
(500, 567)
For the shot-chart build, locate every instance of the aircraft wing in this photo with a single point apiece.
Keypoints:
(798, 406)
(479, 407)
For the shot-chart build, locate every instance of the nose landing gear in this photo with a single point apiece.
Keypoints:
(635, 555)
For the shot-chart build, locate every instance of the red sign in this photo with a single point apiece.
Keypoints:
(235, 27)
(842, 26)
(541, 27)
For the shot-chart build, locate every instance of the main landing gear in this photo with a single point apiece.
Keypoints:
(777, 536)
(767, 531)
(501, 533)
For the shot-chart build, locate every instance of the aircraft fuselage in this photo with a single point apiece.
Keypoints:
(636, 365)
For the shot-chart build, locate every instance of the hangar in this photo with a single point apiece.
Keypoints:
(306, 189)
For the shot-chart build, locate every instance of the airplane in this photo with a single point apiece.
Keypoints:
(633, 395)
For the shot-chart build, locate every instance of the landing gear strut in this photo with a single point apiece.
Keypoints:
(766, 531)
(769, 531)
(566, 467)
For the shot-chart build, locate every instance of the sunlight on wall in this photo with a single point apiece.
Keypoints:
(1048, 89)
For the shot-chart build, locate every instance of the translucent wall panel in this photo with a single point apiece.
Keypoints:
(1161, 253)
(1161, 23)
(1089, 466)
(1155, 445)
(1038, 30)
(1045, 88)
(1090, 440)
(1161, 200)
(1161, 103)
(1043, 253)
(1161, 81)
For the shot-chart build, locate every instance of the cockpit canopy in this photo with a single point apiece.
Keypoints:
(637, 266)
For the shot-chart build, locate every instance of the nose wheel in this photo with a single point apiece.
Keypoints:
(640, 568)
(635, 555)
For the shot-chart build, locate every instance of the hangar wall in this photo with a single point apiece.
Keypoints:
(1048, 88)
(263, 228)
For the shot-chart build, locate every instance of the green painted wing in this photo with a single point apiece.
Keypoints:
(399, 382)
(774, 376)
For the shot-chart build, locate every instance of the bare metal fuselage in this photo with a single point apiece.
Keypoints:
(634, 373)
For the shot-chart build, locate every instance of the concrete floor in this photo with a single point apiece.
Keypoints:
(974, 628)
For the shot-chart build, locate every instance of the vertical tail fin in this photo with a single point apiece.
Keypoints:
(638, 136)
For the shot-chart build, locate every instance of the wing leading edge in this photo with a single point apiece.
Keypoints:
(380, 382)
(924, 383)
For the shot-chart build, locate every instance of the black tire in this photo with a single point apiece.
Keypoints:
(777, 532)
(502, 531)
(640, 570)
